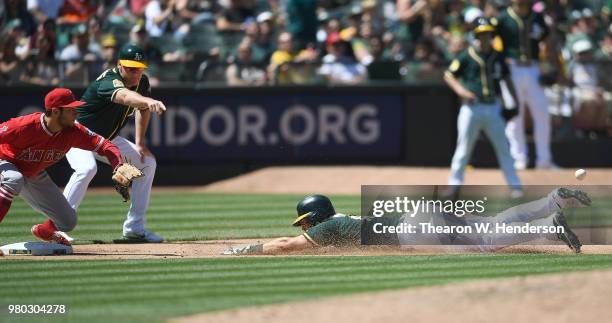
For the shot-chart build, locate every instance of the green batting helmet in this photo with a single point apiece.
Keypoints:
(315, 209)
(483, 25)
(131, 55)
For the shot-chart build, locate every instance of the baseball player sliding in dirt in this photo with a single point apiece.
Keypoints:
(30, 144)
(324, 227)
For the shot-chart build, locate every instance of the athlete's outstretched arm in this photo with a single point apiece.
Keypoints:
(276, 246)
(280, 245)
(135, 100)
(142, 123)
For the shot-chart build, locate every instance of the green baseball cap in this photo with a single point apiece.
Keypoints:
(131, 55)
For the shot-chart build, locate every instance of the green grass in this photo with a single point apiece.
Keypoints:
(198, 216)
(176, 216)
(152, 290)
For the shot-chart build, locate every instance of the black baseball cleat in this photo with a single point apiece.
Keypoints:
(567, 236)
(572, 198)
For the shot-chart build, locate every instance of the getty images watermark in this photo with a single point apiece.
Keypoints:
(482, 216)
(459, 208)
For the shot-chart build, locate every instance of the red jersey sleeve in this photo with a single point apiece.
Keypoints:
(89, 140)
(9, 131)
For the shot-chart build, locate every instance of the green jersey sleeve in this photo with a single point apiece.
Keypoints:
(457, 66)
(323, 234)
(109, 85)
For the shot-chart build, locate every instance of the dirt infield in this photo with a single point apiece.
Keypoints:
(573, 297)
(348, 179)
(214, 248)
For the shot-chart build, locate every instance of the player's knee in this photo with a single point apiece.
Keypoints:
(13, 181)
(68, 222)
(150, 162)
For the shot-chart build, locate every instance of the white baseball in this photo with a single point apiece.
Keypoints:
(580, 174)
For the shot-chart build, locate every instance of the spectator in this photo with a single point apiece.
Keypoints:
(392, 48)
(109, 51)
(140, 37)
(78, 52)
(138, 7)
(338, 66)
(438, 15)
(95, 29)
(16, 9)
(42, 10)
(377, 50)
(10, 69)
(48, 37)
(118, 13)
(159, 14)
(423, 66)
(456, 45)
(583, 27)
(264, 45)
(15, 30)
(191, 13)
(302, 22)
(251, 29)
(371, 15)
(606, 12)
(361, 44)
(281, 71)
(197, 11)
(589, 106)
(233, 18)
(77, 11)
(604, 53)
(41, 67)
(455, 19)
(329, 26)
(242, 71)
(353, 22)
(412, 14)
(593, 30)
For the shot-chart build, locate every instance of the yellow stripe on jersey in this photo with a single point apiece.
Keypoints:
(483, 71)
(454, 66)
(310, 239)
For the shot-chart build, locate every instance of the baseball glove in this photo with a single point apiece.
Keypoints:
(244, 250)
(509, 114)
(123, 176)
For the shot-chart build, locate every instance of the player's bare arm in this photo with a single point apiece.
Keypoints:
(274, 247)
(134, 99)
(408, 11)
(281, 245)
(458, 88)
(142, 124)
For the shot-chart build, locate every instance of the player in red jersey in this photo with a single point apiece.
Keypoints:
(30, 144)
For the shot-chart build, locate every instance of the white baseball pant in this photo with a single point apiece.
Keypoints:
(530, 92)
(537, 213)
(84, 164)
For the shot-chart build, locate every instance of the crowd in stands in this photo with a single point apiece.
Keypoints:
(281, 42)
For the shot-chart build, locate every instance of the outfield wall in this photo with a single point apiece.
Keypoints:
(219, 132)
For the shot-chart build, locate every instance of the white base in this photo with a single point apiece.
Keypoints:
(35, 249)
